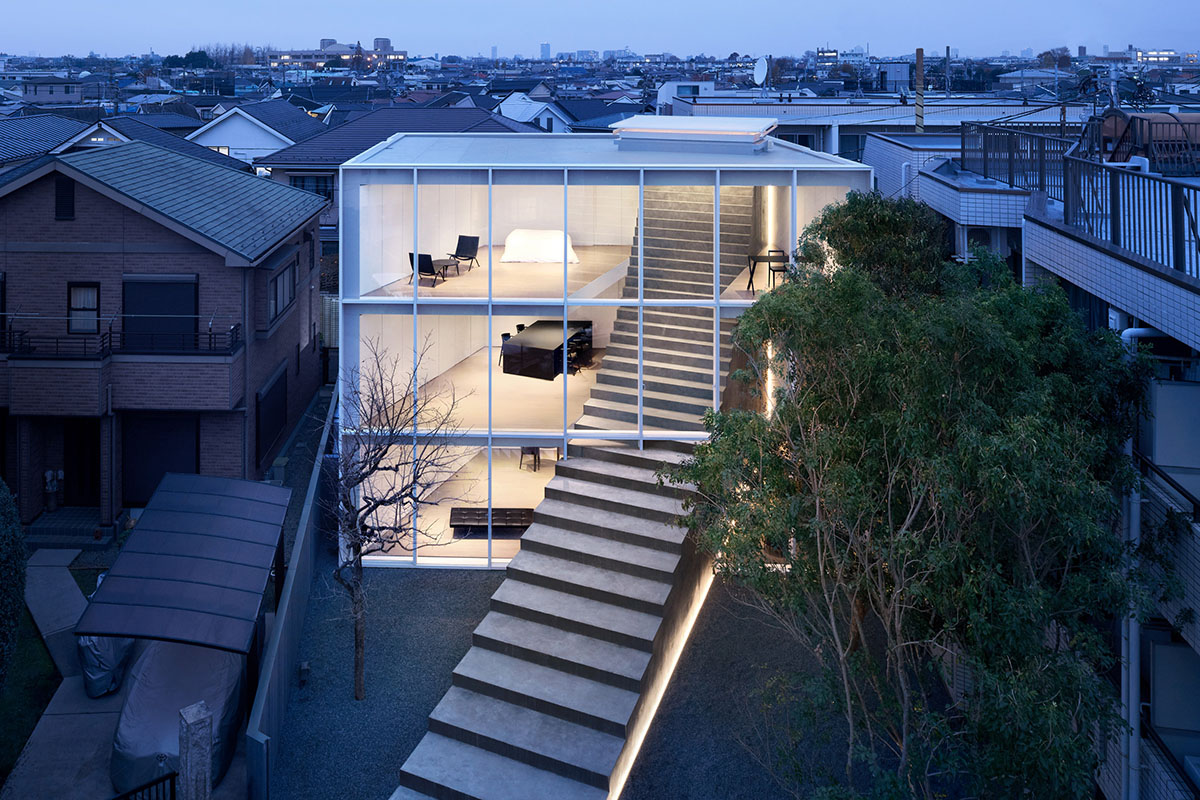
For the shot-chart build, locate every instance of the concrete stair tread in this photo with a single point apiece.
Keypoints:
(572, 652)
(591, 422)
(587, 580)
(617, 494)
(550, 510)
(645, 475)
(473, 717)
(472, 772)
(561, 609)
(650, 453)
(546, 689)
(615, 359)
(690, 421)
(631, 393)
(677, 387)
(613, 553)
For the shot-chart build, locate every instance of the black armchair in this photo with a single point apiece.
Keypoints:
(425, 267)
(467, 250)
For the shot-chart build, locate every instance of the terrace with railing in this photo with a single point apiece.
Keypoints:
(1148, 205)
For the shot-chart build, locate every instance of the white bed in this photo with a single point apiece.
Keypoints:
(537, 247)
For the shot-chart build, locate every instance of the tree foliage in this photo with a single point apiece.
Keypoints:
(12, 577)
(934, 488)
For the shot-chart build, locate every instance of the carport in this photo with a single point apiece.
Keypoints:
(195, 566)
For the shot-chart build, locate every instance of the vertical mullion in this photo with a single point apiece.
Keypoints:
(716, 303)
(641, 296)
(415, 350)
(565, 372)
(490, 338)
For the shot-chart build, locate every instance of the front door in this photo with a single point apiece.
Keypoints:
(81, 461)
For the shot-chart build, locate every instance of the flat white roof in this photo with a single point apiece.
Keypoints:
(581, 151)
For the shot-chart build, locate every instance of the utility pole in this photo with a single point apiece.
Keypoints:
(947, 72)
(920, 87)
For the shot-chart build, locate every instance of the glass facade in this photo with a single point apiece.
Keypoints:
(590, 302)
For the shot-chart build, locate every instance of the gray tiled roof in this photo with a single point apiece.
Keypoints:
(168, 120)
(134, 128)
(287, 119)
(241, 212)
(27, 137)
(346, 141)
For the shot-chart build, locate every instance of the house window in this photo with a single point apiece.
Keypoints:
(281, 291)
(318, 184)
(64, 197)
(223, 149)
(83, 308)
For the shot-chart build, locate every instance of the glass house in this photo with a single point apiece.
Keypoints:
(564, 287)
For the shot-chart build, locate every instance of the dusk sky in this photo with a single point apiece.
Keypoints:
(471, 27)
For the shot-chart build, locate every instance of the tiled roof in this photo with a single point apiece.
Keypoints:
(346, 141)
(287, 119)
(238, 211)
(27, 137)
(134, 128)
(168, 120)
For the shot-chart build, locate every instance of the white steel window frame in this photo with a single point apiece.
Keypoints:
(354, 307)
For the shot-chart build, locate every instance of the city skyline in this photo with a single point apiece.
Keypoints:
(643, 29)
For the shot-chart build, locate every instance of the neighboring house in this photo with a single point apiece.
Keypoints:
(52, 91)
(129, 129)
(26, 138)
(1110, 215)
(170, 121)
(253, 130)
(611, 270)
(160, 317)
(313, 164)
(543, 114)
(898, 159)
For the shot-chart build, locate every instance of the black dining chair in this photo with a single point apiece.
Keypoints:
(425, 267)
(504, 337)
(776, 266)
(520, 327)
(467, 250)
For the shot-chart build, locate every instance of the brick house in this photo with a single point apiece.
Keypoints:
(159, 315)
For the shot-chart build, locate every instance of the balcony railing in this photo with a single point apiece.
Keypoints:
(1154, 217)
(214, 342)
(1172, 146)
(1022, 159)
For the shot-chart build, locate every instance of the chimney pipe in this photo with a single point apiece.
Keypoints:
(947, 72)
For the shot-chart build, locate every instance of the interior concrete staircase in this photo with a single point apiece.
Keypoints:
(566, 670)
(677, 365)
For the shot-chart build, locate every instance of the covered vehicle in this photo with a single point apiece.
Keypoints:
(103, 659)
(167, 677)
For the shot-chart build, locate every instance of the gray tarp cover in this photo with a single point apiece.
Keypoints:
(168, 677)
(196, 565)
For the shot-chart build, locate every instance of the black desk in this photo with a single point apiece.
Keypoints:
(767, 259)
(537, 351)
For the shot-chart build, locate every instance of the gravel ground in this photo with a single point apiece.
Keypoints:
(415, 637)
(419, 624)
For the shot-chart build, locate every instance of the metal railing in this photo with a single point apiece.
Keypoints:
(1154, 217)
(1022, 159)
(163, 788)
(21, 343)
(1171, 146)
(1185, 498)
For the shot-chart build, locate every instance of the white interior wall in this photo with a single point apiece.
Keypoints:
(811, 200)
(385, 234)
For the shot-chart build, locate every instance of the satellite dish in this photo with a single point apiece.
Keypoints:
(760, 71)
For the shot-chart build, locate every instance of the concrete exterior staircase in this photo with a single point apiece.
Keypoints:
(566, 670)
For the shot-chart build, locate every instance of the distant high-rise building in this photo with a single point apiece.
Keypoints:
(1027, 52)
(587, 55)
(494, 50)
(1105, 49)
(545, 51)
(328, 43)
(954, 52)
(383, 45)
(1082, 51)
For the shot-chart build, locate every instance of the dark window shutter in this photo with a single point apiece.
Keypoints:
(64, 197)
